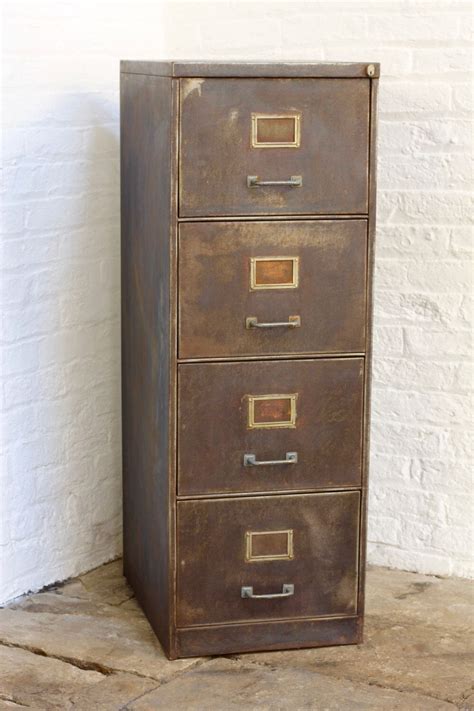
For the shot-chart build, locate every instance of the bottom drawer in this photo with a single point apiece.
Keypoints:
(303, 549)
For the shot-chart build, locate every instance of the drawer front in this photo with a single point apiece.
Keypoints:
(267, 545)
(235, 276)
(272, 411)
(236, 130)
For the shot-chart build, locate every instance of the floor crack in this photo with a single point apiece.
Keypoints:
(79, 663)
(95, 666)
(176, 675)
(460, 699)
(13, 700)
(119, 604)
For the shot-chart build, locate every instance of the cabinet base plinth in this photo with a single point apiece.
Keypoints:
(268, 636)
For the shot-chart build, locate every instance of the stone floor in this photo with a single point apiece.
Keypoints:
(86, 645)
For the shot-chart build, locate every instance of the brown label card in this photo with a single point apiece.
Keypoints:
(274, 272)
(275, 131)
(266, 411)
(269, 545)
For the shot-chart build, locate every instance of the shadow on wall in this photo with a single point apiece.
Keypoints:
(64, 474)
(90, 316)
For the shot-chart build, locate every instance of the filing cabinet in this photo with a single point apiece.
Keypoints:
(248, 220)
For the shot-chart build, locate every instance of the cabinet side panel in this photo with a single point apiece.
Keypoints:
(369, 337)
(147, 399)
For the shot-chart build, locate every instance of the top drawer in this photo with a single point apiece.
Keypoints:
(313, 133)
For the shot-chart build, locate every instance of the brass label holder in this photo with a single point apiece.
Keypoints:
(294, 142)
(256, 285)
(251, 538)
(254, 423)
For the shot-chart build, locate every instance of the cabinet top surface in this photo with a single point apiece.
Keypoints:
(350, 70)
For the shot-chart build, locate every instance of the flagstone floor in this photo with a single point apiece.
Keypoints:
(86, 645)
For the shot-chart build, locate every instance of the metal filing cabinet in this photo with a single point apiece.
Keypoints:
(248, 217)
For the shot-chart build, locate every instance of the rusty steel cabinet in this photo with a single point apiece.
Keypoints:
(248, 218)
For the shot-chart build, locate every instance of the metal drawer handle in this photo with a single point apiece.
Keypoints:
(293, 322)
(250, 460)
(253, 181)
(287, 590)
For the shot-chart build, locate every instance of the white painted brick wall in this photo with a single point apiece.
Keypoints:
(60, 263)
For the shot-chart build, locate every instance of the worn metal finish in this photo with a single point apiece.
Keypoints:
(147, 371)
(245, 452)
(323, 569)
(268, 636)
(215, 298)
(350, 70)
(213, 420)
(216, 154)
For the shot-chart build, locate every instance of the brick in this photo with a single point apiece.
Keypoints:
(421, 441)
(108, 144)
(442, 135)
(34, 454)
(404, 373)
(459, 511)
(431, 473)
(388, 340)
(442, 343)
(56, 213)
(231, 35)
(384, 469)
(19, 358)
(430, 408)
(464, 376)
(34, 320)
(34, 387)
(12, 219)
(407, 136)
(459, 444)
(414, 241)
(305, 30)
(424, 207)
(384, 529)
(53, 142)
(16, 423)
(429, 563)
(19, 253)
(88, 307)
(419, 308)
(414, 97)
(451, 540)
(390, 275)
(463, 97)
(465, 22)
(411, 27)
(13, 144)
(82, 108)
(445, 277)
(412, 171)
(461, 241)
(442, 61)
